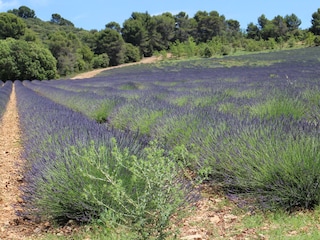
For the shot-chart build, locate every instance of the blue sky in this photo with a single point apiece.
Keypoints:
(95, 14)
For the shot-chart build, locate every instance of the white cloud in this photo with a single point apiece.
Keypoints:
(6, 5)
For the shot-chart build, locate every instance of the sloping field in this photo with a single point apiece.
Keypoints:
(134, 146)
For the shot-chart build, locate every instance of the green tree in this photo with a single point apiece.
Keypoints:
(11, 26)
(253, 31)
(23, 12)
(57, 19)
(134, 32)
(100, 61)
(111, 42)
(262, 21)
(140, 30)
(165, 26)
(21, 60)
(233, 27)
(132, 53)
(315, 28)
(72, 55)
(183, 27)
(281, 27)
(114, 26)
(292, 21)
(209, 25)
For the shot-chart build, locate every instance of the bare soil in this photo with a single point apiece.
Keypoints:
(11, 226)
(93, 73)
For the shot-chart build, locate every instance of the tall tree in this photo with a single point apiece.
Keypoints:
(185, 27)
(11, 26)
(57, 19)
(281, 27)
(253, 31)
(165, 25)
(141, 30)
(262, 21)
(233, 27)
(23, 12)
(133, 32)
(315, 28)
(111, 42)
(209, 25)
(21, 60)
(293, 22)
(114, 26)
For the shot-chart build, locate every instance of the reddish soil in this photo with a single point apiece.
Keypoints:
(10, 176)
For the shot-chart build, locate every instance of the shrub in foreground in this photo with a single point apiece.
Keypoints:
(78, 169)
(112, 185)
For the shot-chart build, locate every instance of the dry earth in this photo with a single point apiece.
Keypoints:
(11, 227)
(97, 71)
(212, 219)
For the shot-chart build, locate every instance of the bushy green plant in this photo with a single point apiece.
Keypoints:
(101, 113)
(100, 61)
(279, 106)
(278, 169)
(110, 184)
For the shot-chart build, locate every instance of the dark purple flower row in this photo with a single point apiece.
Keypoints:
(5, 91)
(216, 111)
(50, 130)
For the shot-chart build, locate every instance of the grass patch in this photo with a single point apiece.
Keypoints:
(279, 106)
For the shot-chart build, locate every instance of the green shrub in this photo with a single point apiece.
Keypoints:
(279, 169)
(279, 106)
(101, 61)
(106, 183)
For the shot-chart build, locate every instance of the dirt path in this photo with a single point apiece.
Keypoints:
(97, 71)
(10, 177)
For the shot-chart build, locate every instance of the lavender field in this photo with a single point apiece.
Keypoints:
(248, 124)
(5, 91)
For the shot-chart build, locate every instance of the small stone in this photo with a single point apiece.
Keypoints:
(215, 219)
(47, 224)
(37, 230)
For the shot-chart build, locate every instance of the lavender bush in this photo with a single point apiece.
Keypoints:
(79, 169)
(5, 91)
(247, 122)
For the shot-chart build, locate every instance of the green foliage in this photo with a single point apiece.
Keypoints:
(101, 113)
(11, 26)
(206, 52)
(57, 19)
(315, 28)
(279, 170)
(140, 120)
(132, 53)
(281, 106)
(23, 12)
(25, 60)
(111, 42)
(110, 184)
(100, 61)
(71, 54)
(252, 45)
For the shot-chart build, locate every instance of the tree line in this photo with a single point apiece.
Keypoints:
(34, 49)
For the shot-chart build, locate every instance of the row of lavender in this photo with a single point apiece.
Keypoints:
(79, 169)
(5, 91)
(252, 127)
